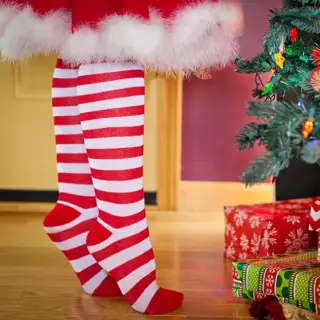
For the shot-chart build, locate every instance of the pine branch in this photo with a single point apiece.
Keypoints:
(306, 19)
(286, 15)
(257, 64)
(278, 125)
(310, 26)
(306, 2)
(258, 170)
(275, 36)
(266, 166)
(260, 110)
(249, 135)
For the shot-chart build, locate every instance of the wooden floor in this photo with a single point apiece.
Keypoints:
(36, 282)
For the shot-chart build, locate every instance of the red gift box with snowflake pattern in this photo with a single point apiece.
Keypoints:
(265, 229)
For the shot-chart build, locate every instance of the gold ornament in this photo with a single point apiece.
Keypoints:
(280, 59)
(307, 127)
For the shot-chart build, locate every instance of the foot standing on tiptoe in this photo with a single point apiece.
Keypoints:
(69, 222)
(111, 105)
(166, 36)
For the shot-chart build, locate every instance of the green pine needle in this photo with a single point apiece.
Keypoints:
(278, 126)
(275, 36)
(260, 110)
(257, 64)
(306, 2)
(310, 26)
(249, 135)
(258, 170)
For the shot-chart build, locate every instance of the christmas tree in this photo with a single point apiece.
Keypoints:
(286, 108)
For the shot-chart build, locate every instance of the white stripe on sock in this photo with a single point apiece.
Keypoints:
(99, 87)
(68, 129)
(121, 210)
(72, 243)
(91, 285)
(128, 282)
(114, 142)
(63, 92)
(116, 164)
(73, 168)
(143, 301)
(100, 68)
(125, 102)
(113, 122)
(71, 149)
(65, 73)
(118, 186)
(77, 189)
(83, 263)
(126, 255)
(119, 234)
(65, 111)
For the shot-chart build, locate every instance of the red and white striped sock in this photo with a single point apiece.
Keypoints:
(111, 104)
(76, 211)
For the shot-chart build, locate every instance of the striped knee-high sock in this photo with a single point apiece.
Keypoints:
(76, 211)
(111, 105)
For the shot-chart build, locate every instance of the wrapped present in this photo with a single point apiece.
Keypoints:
(265, 229)
(293, 278)
(315, 221)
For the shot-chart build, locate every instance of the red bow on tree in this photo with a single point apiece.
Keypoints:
(315, 54)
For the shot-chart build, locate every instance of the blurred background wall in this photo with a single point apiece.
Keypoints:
(213, 111)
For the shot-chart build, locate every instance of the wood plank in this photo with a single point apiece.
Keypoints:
(37, 281)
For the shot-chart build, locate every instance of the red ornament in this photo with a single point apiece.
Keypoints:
(315, 54)
(293, 34)
(315, 79)
(273, 180)
(274, 71)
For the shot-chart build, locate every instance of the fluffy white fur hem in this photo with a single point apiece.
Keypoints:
(204, 35)
(7, 13)
(28, 34)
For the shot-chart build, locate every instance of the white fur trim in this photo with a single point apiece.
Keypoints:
(7, 12)
(83, 46)
(29, 33)
(199, 36)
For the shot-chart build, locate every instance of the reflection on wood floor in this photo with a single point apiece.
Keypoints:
(37, 282)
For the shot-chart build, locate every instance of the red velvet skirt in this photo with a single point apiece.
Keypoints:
(163, 35)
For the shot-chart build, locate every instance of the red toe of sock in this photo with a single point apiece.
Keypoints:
(108, 288)
(165, 301)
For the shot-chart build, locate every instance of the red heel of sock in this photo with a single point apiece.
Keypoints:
(68, 230)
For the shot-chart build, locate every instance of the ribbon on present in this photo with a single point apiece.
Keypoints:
(269, 306)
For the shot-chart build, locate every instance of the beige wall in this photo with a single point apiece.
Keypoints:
(27, 158)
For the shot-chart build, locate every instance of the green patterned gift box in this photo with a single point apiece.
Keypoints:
(294, 278)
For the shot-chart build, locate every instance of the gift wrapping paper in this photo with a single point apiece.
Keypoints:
(260, 230)
(293, 277)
